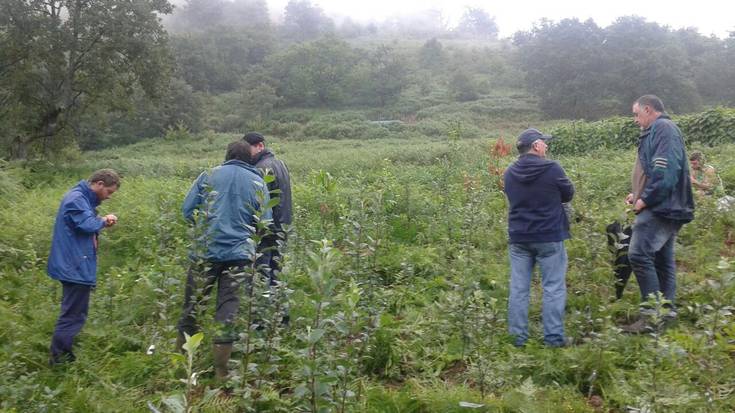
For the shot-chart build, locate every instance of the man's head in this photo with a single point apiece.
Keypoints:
(104, 183)
(646, 109)
(238, 150)
(256, 141)
(696, 160)
(532, 141)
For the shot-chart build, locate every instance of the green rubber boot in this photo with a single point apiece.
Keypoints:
(222, 354)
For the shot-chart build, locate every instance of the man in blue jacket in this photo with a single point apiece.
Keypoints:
(73, 256)
(224, 202)
(537, 227)
(662, 200)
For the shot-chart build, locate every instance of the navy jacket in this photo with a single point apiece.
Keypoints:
(668, 190)
(228, 198)
(73, 256)
(536, 188)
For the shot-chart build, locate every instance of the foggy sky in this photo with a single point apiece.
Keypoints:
(708, 16)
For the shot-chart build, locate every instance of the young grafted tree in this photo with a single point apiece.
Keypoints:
(60, 58)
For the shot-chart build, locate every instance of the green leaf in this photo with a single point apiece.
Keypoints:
(192, 342)
(273, 202)
(178, 358)
(300, 391)
(175, 403)
(315, 335)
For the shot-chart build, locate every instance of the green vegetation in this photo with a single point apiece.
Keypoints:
(710, 128)
(396, 272)
(114, 73)
(396, 281)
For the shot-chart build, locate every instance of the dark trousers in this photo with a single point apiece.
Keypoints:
(74, 309)
(271, 256)
(228, 276)
(270, 261)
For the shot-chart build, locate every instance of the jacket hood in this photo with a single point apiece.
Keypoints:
(265, 153)
(243, 165)
(529, 167)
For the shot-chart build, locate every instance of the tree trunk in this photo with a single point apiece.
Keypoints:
(19, 149)
(47, 129)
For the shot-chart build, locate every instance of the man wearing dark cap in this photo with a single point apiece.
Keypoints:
(537, 227)
(280, 187)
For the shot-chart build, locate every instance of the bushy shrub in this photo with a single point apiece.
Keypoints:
(285, 129)
(712, 127)
(178, 133)
(431, 128)
(356, 129)
(9, 185)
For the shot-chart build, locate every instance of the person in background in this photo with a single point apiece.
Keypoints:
(703, 177)
(662, 200)
(536, 189)
(226, 200)
(73, 257)
(264, 159)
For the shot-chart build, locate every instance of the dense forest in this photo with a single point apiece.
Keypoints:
(95, 74)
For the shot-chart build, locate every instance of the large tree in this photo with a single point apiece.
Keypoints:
(303, 21)
(566, 67)
(60, 58)
(205, 15)
(314, 73)
(579, 70)
(380, 77)
(649, 58)
(215, 60)
(477, 22)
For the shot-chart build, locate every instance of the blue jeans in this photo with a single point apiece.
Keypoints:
(552, 260)
(73, 314)
(651, 254)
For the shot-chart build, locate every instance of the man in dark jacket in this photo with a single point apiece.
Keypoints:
(662, 200)
(264, 159)
(226, 199)
(537, 227)
(73, 257)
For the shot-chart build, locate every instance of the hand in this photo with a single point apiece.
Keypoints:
(110, 220)
(629, 199)
(639, 206)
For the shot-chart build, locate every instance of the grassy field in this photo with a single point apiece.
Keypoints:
(397, 278)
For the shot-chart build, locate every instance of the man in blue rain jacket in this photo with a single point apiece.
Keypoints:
(224, 201)
(73, 256)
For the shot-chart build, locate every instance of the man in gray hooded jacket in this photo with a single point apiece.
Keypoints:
(264, 159)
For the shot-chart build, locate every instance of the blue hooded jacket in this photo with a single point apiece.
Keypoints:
(536, 188)
(73, 256)
(227, 197)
